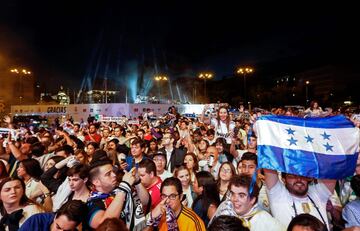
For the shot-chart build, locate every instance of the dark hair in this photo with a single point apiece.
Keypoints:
(82, 151)
(210, 132)
(172, 181)
(232, 168)
(227, 223)
(3, 170)
(210, 193)
(23, 200)
(355, 184)
(112, 224)
(81, 169)
(138, 141)
(74, 210)
(197, 132)
(31, 140)
(114, 140)
(149, 166)
(78, 142)
(94, 144)
(221, 140)
(227, 122)
(95, 167)
(32, 168)
(307, 220)
(37, 149)
(249, 156)
(312, 103)
(66, 148)
(56, 159)
(196, 162)
(246, 182)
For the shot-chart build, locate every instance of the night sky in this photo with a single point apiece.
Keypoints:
(60, 41)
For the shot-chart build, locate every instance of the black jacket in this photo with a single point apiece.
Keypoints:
(176, 159)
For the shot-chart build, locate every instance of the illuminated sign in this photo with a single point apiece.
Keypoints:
(56, 110)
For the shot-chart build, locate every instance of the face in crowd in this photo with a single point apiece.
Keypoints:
(240, 198)
(212, 151)
(76, 183)
(12, 192)
(173, 197)
(160, 162)
(167, 139)
(247, 167)
(105, 181)
(146, 178)
(189, 162)
(297, 185)
(184, 176)
(252, 143)
(136, 150)
(223, 114)
(225, 172)
(92, 129)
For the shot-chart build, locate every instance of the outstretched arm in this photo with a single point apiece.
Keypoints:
(271, 178)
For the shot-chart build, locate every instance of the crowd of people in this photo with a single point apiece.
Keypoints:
(184, 174)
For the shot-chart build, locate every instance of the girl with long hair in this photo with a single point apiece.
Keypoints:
(191, 162)
(226, 172)
(207, 201)
(183, 174)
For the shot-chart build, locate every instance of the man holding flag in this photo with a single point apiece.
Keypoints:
(304, 149)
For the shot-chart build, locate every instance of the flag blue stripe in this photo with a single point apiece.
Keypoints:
(339, 121)
(306, 163)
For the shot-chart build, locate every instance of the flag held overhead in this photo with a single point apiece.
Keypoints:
(325, 148)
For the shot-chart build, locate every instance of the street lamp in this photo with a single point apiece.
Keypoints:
(243, 71)
(158, 79)
(205, 76)
(307, 91)
(21, 73)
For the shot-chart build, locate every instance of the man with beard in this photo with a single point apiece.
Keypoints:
(93, 136)
(297, 195)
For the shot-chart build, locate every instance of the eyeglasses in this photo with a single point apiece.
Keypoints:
(171, 196)
(224, 170)
(158, 160)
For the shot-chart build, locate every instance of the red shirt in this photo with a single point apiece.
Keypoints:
(154, 191)
(93, 137)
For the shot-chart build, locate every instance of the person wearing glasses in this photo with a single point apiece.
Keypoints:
(170, 214)
(227, 171)
(243, 204)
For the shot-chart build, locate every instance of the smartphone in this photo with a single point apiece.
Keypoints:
(183, 198)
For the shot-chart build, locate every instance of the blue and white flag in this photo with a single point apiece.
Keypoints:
(324, 148)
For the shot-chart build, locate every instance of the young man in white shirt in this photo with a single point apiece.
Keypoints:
(243, 204)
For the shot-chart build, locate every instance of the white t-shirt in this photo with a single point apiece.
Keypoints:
(165, 175)
(221, 129)
(281, 203)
